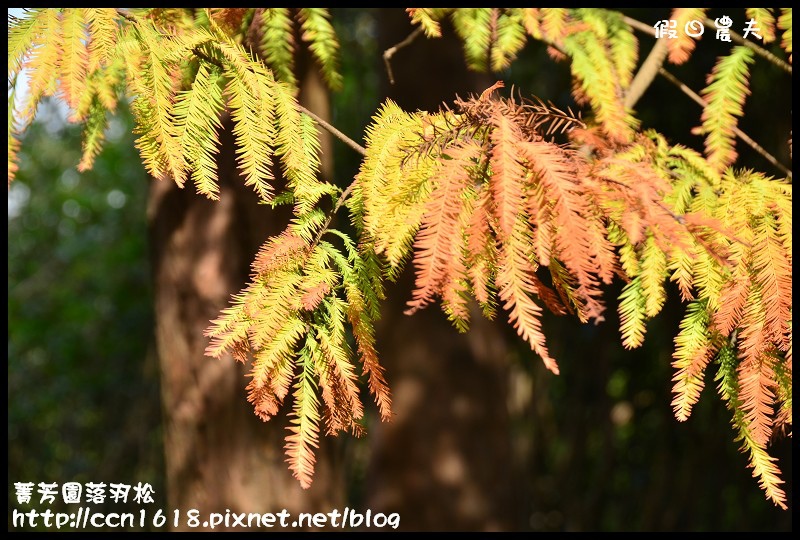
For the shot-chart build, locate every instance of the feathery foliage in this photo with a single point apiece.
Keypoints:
(726, 92)
(785, 24)
(601, 46)
(512, 203)
(681, 47)
(765, 22)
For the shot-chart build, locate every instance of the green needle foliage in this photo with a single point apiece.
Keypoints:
(511, 202)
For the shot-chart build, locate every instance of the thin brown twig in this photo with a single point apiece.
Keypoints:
(644, 77)
(124, 13)
(708, 23)
(639, 25)
(388, 53)
(700, 101)
(328, 127)
(339, 203)
(755, 48)
(335, 132)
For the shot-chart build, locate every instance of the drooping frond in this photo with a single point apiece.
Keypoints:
(757, 392)
(764, 21)
(252, 110)
(785, 24)
(436, 249)
(764, 467)
(304, 429)
(363, 291)
(428, 19)
(277, 42)
(693, 350)
(531, 18)
(554, 23)
(346, 407)
(43, 62)
(623, 45)
(322, 42)
(23, 34)
(773, 273)
(681, 265)
(725, 94)
(72, 54)
(482, 253)
(632, 314)
(93, 134)
(581, 239)
(783, 402)
(196, 116)
(508, 175)
(680, 48)
(75, 57)
(733, 298)
(509, 38)
(759, 208)
(158, 144)
(515, 288)
(13, 142)
(297, 145)
(653, 267)
(594, 69)
(291, 320)
(392, 191)
(474, 27)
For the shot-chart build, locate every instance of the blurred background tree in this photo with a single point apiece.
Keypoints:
(506, 446)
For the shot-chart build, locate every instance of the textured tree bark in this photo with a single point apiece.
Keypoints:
(445, 460)
(219, 455)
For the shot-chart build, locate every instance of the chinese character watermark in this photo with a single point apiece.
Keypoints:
(694, 28)
(751, 28)
(144, 493)
(667, 28)
(95, 493)
(723, 25)
(48, 492)
(71, 492)
(23, 491)
(119, 492)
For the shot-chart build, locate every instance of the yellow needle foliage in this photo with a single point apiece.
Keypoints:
(510, 202)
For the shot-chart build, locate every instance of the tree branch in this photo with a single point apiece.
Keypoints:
(124, 13)
(739, 133)
(335, 132)
(708, 23)
(762, 52)
(388, 53)
(644, 77)
(639, 25)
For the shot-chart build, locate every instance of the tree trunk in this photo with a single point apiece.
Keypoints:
(219, 455)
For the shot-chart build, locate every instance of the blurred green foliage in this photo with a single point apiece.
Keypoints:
(597, 446)
(83, 398)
